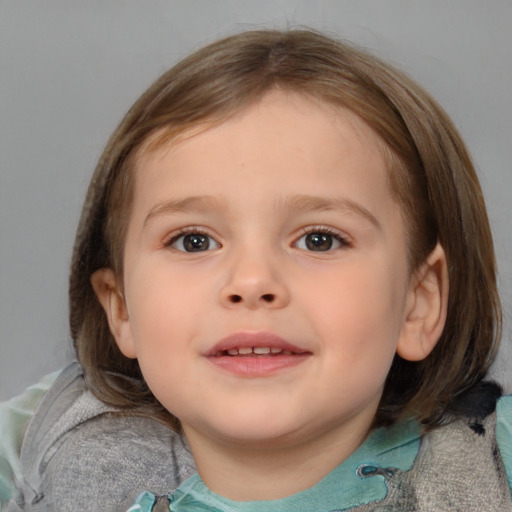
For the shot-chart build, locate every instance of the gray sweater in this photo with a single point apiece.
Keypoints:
(81, 455)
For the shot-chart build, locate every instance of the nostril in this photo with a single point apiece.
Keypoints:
(267, 298)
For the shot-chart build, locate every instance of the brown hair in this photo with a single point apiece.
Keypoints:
(430, 173)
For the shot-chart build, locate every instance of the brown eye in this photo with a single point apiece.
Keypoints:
(193, 242)
(320, 241)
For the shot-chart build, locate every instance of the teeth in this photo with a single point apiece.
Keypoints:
(261, 350)
(246, 351)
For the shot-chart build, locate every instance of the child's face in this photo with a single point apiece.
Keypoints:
(275, 230)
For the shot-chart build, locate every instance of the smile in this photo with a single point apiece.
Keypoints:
(254, 351)
(256, 354)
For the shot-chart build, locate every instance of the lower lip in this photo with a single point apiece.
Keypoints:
(257, 366)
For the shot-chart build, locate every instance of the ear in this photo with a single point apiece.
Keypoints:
(110, 296)
(426, 307)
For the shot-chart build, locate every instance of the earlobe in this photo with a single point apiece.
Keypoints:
(426, 308)
(108, 292)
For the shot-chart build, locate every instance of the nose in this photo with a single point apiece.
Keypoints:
(253, 282)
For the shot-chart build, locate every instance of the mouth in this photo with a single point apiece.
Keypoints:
(256, 354)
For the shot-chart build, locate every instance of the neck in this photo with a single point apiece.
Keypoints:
(273, 471)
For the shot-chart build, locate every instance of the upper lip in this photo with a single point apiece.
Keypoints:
(254, 339)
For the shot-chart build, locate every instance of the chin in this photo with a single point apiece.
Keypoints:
(252, 432)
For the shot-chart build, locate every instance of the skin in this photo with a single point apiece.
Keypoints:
(267, 179)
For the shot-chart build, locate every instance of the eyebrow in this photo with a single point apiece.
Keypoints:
(298, 203)
(187, 204)
(307, 203)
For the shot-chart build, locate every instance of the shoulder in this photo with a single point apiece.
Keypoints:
(110, 459)
(15, 415)
(80, 453)
(464, 461)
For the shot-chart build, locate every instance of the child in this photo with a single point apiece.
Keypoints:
(284, 258)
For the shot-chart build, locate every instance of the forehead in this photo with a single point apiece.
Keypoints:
(301, 103)
(316, 127)
(282, 146)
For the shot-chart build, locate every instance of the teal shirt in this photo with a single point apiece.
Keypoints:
(504, 433)
(14, 417)
(357, 481)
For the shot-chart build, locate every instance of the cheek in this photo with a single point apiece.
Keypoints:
(161, 316)
(359, 308)
(160, 307)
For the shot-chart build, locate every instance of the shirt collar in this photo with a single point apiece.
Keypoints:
(360, 479)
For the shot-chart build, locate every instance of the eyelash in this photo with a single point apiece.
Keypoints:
(343, 241)
(311, 230)
(189, 231)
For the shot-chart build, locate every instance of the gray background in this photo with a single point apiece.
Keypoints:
(70, 68)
